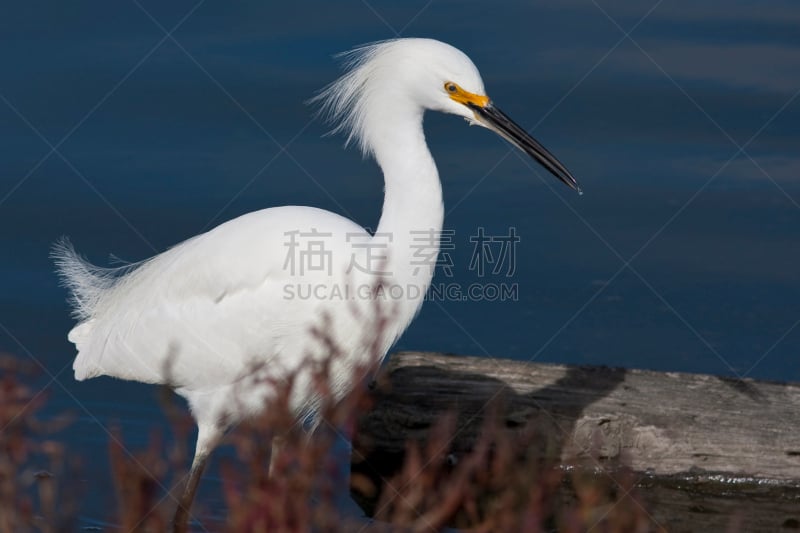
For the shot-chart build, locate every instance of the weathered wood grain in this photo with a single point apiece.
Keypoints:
(708, 445)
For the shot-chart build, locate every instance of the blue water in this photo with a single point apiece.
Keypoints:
(159, 140)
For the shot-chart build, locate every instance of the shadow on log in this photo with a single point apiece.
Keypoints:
(709, 452)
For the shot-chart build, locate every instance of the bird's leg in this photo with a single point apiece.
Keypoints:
(180, 523)
(208, 436)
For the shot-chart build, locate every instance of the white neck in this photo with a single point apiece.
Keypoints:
(413, 212)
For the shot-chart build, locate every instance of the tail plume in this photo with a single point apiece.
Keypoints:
(85, 281)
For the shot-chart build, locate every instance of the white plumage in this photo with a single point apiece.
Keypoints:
(203, 314)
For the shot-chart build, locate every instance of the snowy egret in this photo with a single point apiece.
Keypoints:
(199, 316)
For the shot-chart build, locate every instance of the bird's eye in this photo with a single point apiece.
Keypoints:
(451, 87)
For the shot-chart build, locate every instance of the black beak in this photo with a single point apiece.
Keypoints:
(500, 123)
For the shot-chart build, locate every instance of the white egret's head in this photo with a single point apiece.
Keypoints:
(412, 75)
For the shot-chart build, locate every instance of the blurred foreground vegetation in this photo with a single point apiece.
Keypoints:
(498, 486)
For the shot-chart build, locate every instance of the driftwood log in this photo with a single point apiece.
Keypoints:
(709, 451)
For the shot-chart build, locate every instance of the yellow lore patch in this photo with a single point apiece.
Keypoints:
(461, 96)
